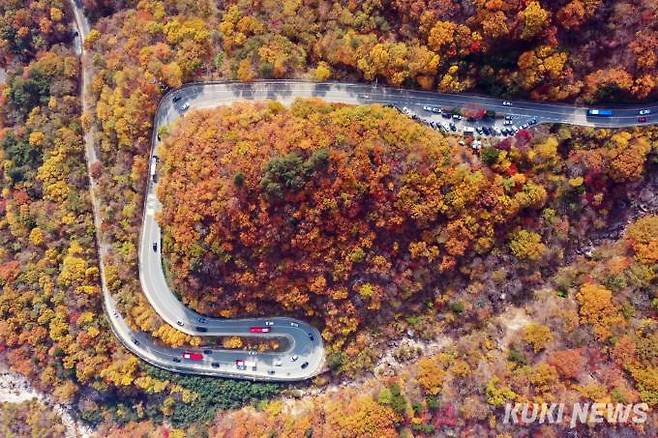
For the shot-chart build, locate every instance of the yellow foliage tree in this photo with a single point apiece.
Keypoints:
(537, 335)
(598, 310)
(643, 237)
(430, 375)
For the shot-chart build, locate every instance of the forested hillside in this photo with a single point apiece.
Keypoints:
(587, 334)
(355, 216)
(587, 50)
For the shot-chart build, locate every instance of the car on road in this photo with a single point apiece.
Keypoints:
(277, 362)
(176, 98)
(524, 126)
(364, 96)
(436, 110)
(180, 323)
(294, 324)
(310, 336)
(507, 122)
(215, 364)
(176, 359)
(252, 353)
(532, 121)
(456, 117)
(271, 372)
(260, 329)
(427, 108)
(208, 352)
(239, 364)
(155, 246)
(445, 115)
(453, 127)
(304, 365)
(507, 103)
(185, 106)
(192, 355)
(508, 117)
(644, 112)
(269, 323)
(294, 357)
(135, 341)
(201, 329)
(642, 119)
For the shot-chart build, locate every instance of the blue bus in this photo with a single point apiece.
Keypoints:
(599, 112)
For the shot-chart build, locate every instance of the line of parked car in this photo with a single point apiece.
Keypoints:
(509, 128)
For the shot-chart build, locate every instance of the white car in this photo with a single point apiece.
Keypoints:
(294, 357)
(269, 323)
(294, 324)
(185, 106)
(507, 103)
(644, 112)
(427, 108)
(277, 362)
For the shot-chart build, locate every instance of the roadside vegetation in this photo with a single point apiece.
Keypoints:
(587, 50)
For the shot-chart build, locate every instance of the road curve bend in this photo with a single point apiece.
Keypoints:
(304, 340)
(305, 356)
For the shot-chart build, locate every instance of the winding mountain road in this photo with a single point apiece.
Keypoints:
(304, 356)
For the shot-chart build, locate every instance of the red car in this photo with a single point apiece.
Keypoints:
(642, 119)
(192, 356)
(260, 329)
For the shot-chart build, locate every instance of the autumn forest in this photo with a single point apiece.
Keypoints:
(446, 280)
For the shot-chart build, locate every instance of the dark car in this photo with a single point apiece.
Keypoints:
(202, 329)
(177, 359)
(155, 246)
(215, 364)
(310, 336)
(177, 98)
(270, 372)
(642, 119)
(180, 323)
(207, 351)
(135, 341)
(304, 365)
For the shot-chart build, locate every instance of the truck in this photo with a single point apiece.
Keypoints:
(599, 112)
(154, 164)
(245, 364)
